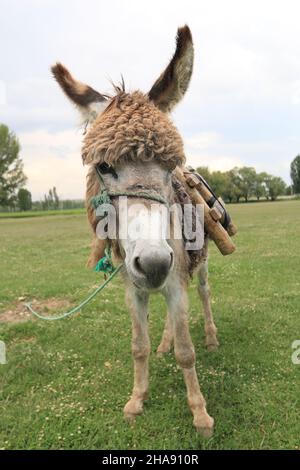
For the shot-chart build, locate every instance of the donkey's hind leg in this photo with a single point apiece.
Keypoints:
(167, 337)
(211, 341)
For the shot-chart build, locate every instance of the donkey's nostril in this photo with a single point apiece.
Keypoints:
(137, 265)
(172, 259)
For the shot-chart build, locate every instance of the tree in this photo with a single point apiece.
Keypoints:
(230, 191)
(55, 199)
(275, 187)
(24, 199)
(235, 183)
(51, 200)
(11, 167)
(45, 204)
(295, 174)
(259, 188)
(220, 183)
(246, 181)
(205, 173)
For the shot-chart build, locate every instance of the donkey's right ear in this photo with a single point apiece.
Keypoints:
(89, 101)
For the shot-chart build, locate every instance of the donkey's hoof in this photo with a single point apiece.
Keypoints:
(163, 349)
(130, 419)
(132, 409)
(205, 426)
(206, 432)
(211, 344)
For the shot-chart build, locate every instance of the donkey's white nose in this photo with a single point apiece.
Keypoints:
(153, 265)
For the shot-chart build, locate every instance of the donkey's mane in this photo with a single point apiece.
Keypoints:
(133, 128)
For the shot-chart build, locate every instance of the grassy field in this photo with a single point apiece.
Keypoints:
(26, 214)
(65, 383)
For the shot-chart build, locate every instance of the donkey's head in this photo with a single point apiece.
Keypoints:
(132, 148)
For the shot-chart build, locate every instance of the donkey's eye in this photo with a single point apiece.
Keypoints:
(105, 169)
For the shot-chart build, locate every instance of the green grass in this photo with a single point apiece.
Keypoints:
(26, 214)
(66, 382)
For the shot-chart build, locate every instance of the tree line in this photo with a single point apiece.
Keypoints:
(234, 185)
(244, 183)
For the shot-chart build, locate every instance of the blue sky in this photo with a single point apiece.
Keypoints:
(242, 107)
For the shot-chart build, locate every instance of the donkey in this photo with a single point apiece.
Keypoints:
(132, 143)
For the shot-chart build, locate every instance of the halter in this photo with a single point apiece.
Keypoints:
(105, 264)
(105, 196)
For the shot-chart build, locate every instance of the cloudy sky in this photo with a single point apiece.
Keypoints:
(242, 108)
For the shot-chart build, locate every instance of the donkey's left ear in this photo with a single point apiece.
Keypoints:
(170, 87)
(89, 101)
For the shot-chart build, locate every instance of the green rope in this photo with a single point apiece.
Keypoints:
(104, 197)
(80, 306)
(105, 264)
(139, 194)
(101, 198)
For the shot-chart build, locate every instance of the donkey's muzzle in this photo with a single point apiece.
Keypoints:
(152, 266)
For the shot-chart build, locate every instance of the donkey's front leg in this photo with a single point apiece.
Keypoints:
(138, 303)
(176, 297)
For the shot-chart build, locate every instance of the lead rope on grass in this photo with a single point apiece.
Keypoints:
(105, 265)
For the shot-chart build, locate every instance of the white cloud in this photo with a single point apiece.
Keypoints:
(213, 162)
(214, 151)
(2, 93)
(205, 149)
(53, 159)
(295, 92)
(202, 140)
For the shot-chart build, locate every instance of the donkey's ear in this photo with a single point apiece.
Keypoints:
(90, 102)
(170, 87)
